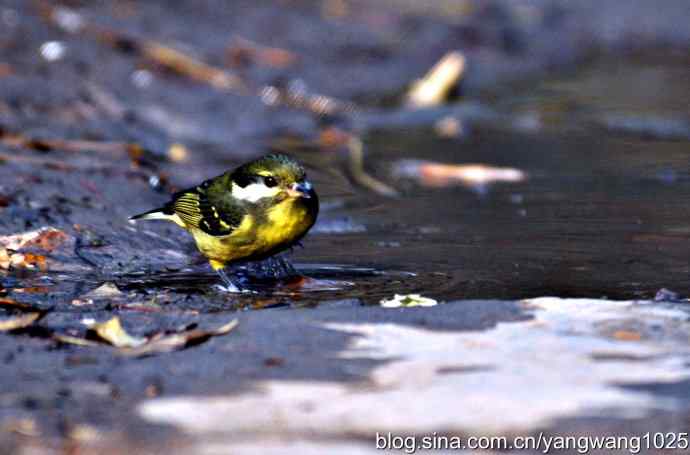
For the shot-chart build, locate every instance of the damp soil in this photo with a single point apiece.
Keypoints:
(602, 211)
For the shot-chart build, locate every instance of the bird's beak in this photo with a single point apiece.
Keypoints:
(302, 189)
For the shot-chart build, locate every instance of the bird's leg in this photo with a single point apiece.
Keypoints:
(230, 284)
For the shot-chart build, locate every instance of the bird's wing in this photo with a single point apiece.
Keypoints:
(196, 209)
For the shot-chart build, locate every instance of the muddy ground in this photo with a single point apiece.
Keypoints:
(577, 115)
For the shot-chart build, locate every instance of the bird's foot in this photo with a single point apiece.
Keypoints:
(234, 286)
(234, 290)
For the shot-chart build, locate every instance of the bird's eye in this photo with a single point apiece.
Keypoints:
(270, 181)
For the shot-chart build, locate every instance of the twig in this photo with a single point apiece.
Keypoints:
(185, 65)
(359, 175)
(136, 153)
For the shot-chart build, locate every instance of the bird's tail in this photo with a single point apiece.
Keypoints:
(155, 214)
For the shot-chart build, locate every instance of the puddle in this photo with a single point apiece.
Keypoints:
(317, 281)
(603, 213)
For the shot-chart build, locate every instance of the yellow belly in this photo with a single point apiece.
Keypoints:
(285, 223)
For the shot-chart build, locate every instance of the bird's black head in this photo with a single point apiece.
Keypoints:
(274, 176)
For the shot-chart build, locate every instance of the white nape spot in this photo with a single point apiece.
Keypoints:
(253, 192)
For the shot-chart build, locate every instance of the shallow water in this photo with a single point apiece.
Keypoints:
(604, 213)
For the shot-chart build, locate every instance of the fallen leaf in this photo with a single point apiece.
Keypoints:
(408, 300)
(13, 248)
(433, 89)
(113, 332)
(168, 343)
(20, 322)
(28, 260)
(438, 175)
(46, 239)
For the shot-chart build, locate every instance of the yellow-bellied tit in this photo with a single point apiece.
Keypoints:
(248, 214)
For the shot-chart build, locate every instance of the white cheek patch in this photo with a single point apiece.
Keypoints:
(253, 192)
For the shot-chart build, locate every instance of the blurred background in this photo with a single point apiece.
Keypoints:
(462, 149)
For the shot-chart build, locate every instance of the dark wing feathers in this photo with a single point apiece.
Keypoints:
(186, 206)
(195, 208)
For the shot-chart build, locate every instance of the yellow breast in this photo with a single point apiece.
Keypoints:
(258, 237)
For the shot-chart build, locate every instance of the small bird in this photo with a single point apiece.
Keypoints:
(248, 214)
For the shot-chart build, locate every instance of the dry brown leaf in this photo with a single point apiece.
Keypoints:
(168, 343)
(20, 322)
(113, 332)
(46, 239)
(471, 175)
